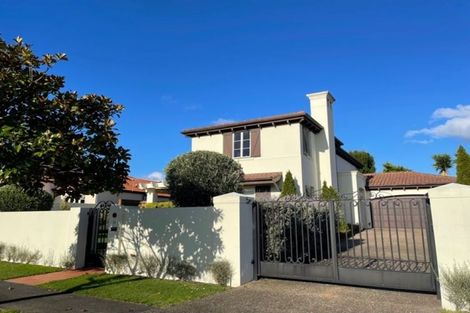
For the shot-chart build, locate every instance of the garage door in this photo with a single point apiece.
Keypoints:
(398, 212)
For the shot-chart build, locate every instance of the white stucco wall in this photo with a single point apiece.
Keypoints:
(321, 109)
(54, 234)
(351, 185)
(344, 166)
(199, 235)
(450, 210)
(281, 151)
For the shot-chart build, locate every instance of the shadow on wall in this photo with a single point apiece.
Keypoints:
(165, 235)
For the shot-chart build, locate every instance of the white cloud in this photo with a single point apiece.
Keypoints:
(421, 142)
(456, 123)
(221, 121)
(158, 176)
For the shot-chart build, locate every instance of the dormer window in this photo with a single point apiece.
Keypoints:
(241, 144)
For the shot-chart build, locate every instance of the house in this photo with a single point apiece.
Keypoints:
(268, 147)
(135, 191)
(404, 183)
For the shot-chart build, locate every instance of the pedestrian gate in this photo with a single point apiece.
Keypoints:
(97, 236)
(384, 242)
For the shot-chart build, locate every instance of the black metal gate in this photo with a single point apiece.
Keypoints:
(344, 242)
(97, 237)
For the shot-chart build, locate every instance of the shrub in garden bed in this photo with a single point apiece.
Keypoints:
(456, 282)
(222, 272)
(159, 205)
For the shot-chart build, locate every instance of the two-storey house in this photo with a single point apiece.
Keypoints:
(268, 147)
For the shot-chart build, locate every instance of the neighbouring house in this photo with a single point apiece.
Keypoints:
(135, 191)
(404, 183)
(405, 187)
(268, 147)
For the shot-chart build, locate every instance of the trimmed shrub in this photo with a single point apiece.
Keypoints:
(183, 270)
(159, 205)
(462, 164)
(456, 282)
(116, 263)
(330, 194)
(222, 272)
(288, 187)
(14, 198)
(196, 177)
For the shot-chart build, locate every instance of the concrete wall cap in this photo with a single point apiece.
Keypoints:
(452, 188)
(232, 196)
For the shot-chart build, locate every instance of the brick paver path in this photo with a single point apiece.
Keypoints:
(46, 278)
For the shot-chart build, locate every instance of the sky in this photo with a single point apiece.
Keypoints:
(399, 70)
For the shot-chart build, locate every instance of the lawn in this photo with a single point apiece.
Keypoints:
(154, 292)
(13, 270)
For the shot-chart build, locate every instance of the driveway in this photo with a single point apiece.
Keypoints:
(267, 295)
(278, 296)
(29, 299)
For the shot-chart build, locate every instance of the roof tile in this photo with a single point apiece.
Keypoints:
(406, 179)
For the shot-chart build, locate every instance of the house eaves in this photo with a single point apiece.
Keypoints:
(271, 121)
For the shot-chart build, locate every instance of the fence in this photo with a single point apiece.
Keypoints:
(197, 235)
(56, 235)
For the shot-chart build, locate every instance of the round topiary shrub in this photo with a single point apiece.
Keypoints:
(195, 178)
(14, 198)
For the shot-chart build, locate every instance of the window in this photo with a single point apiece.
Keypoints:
(263, 189)
(241, 144)
(306, 141)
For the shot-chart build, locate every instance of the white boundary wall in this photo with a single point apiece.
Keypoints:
(450, 210)
(199, 235)
(54, 234)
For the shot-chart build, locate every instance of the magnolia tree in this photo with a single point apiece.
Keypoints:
(48, 134)
(195, 178)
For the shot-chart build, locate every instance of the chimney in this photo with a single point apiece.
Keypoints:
(321, 109)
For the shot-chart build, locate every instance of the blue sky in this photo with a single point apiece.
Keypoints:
(393, 66)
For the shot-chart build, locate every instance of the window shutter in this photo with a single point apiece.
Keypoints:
(255, 142)
(228, 142)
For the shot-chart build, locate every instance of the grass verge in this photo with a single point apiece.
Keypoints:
(148, 291)
(14, 270)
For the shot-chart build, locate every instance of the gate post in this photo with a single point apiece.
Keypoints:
(256, 238)
(333, 243)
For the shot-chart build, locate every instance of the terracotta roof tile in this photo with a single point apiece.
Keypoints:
(406, 180)
(132, 184)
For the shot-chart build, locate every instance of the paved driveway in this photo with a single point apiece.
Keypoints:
(29, 299)
(268, 295)
(278, 296)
